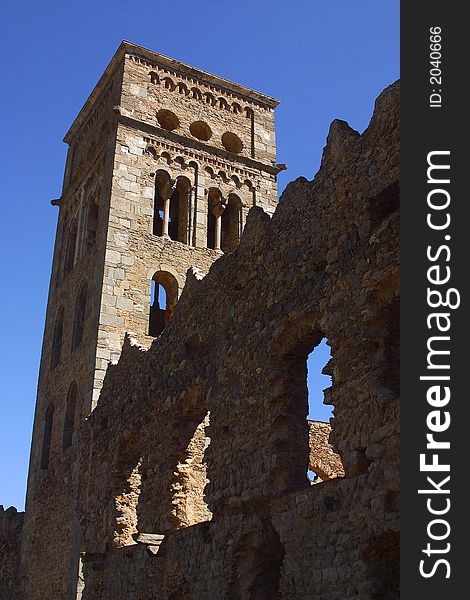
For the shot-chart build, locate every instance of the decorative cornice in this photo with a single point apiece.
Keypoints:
(187, 70)
(186, 143)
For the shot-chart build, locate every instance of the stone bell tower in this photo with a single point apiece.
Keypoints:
(164, 163)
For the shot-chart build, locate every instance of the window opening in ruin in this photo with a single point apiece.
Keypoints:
(57, 339)
(231, 220)
(47, 437)
(163, 298)
(70, 251)
(190, 475)
(80, 316)
(384, 204)
(69, 420)
(319, 378)
(128, 487)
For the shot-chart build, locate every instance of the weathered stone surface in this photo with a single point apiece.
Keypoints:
(154, 539)
(11, 528)
(323, 460)
(201, 433)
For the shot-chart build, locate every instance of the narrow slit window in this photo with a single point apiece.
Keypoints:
(57, 339)
(47, 437)
(69, 420)
(80, 316)
(71, 246)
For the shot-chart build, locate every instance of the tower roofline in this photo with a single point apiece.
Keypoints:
(184, 68)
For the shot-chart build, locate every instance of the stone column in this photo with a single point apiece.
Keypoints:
(166, 215)
(218, 230)
(166, 194)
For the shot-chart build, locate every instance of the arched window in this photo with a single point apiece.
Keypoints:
(92, 220)
(231, 221)
(319, 378)
(179, 211)
(301, 356)
(248, 112)
(69, 420)
(162, 190)
(80, 316)
(215, 208)
(163, 298)
(70, 250)
(57, 339)
(47, 437)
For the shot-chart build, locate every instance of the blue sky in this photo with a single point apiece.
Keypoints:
(323, 60)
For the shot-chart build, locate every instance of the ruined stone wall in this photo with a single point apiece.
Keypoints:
(234, 352)
(11, 528)
(323, 460)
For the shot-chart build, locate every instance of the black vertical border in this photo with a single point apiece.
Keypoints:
(425, 129)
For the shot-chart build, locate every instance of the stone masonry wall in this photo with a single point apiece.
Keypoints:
(234, 355)
(11, 528)
(52, 490)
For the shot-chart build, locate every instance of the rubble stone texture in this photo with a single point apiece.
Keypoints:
(175, 466)
(11, 526)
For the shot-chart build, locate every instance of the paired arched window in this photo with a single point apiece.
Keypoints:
(47, 437)
(57, 339)
(163, 298)
(69, 420)
(231, 222)
(80, 316)
(171, 207)
(223, 221)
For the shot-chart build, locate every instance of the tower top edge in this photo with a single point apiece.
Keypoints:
(129, 48)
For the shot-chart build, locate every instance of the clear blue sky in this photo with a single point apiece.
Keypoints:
(322, 59)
